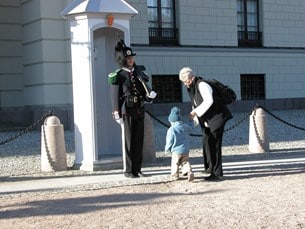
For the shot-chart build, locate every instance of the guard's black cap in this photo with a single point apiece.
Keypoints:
(128, 52)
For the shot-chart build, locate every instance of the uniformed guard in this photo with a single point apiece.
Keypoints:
(129, 92)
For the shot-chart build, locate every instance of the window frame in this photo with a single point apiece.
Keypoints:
(244, 36)
(161, 35)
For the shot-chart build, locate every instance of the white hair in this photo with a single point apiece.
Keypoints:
(185, 73)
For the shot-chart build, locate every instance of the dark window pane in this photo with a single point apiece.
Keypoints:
(168, 87)
(252, 86)
(248, 23)
(152, 14)
(166, 3)
(152, 3)
(167, 15)
(161, 19)
(240, 6)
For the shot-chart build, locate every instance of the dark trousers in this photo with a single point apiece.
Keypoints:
(134, 136)
(212, 153)
(206, 162)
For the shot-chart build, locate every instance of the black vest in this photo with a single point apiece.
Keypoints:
(217, 115)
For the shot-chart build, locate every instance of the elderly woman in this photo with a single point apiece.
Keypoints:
(212, 116)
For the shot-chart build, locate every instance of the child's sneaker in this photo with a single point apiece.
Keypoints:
(190, 177)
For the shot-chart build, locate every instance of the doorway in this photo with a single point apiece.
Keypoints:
(108, 132)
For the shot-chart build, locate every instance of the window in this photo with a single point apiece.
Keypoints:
(168, 87)
(161, 19)
(248, 23)
(252, 86)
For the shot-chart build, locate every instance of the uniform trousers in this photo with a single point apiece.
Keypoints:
(134, 136)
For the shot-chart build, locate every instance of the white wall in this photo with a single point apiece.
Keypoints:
(11, 71)
(139, 23)
(283, 23)
(214, 23)
(207, 22)
(35, 61)
(47, 74)
(284, 70)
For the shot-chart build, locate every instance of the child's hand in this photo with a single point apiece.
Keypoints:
(192, 114)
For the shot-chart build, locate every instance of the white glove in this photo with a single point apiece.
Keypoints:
(152, 95)
(117, 118)
(119, 121)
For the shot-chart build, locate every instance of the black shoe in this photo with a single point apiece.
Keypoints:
(130, 175)
(213, 178)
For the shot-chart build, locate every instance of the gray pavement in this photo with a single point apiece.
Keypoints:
(65, 181)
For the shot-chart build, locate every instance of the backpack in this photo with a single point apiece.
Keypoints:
(224, 93)
(112, 77)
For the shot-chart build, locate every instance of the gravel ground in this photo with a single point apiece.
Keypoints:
(22, 156)
(258, 193)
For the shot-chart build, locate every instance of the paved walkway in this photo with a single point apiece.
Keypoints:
(114, 178)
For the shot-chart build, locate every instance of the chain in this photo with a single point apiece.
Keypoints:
(281, 120)
(200, 135)
(158, 120)
(22, 132)
(51, 161)
(34, 125)
(239, 121)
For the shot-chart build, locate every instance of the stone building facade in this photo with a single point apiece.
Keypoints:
(255, 46)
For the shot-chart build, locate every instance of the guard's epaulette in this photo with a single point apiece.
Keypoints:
(112, 77)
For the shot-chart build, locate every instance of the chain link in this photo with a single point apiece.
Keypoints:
(240, 121)
(26, 130)
(281, 120)
(200, 135)
(34, 125)
(51, 161)
(158, 120)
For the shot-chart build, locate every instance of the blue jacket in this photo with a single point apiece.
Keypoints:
(177, 137)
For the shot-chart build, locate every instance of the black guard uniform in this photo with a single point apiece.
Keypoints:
(128, 96)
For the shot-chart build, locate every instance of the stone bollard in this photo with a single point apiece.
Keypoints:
(258, 136)
(149, 152)
(53, 150)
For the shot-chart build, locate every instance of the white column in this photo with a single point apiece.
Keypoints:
(84, 119)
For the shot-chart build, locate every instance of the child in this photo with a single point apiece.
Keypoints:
(177, 143)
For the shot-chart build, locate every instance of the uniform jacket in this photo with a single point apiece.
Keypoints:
(127, 85)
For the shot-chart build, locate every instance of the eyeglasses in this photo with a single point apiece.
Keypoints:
(187, 81)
